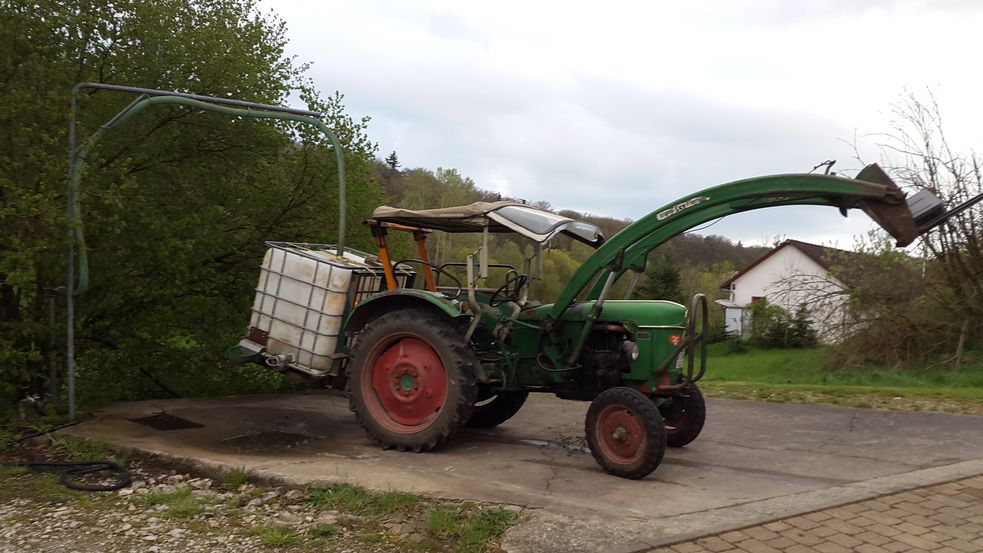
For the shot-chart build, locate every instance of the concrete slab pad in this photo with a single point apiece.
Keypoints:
(753, 460)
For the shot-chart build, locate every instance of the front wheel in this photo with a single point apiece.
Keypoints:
(625, 433)
(684, 416)
(412, 380)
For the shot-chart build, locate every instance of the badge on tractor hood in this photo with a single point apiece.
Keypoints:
(680, 207)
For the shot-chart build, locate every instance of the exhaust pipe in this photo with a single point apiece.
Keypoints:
(278, 361)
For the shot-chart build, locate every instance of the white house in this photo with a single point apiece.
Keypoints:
(792, 274)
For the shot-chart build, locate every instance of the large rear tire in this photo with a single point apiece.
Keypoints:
(684, 416)
(412, 380)
(625, 433)
(496, 408)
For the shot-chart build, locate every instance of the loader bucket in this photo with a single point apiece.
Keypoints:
(892, 213)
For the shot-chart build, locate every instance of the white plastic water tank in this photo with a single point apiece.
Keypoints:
(300, 301)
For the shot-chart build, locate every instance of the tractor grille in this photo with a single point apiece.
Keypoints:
(606, 337)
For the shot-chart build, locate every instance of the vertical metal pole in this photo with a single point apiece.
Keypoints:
(483, 259)
(70, 284)
(421, 247)
(52, 365)
(342, 200)
(632, 283)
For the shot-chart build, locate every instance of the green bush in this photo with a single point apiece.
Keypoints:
(772, 327)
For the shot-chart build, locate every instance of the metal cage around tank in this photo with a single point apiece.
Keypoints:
(299, 311)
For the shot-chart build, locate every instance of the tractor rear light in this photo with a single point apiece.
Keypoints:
(674, 339)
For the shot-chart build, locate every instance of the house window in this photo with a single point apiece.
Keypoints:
(757, 299)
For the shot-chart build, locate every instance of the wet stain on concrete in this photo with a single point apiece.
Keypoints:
(165, 421)
(759, 473)
(268, 441)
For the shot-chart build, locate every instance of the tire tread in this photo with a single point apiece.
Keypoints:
(463, 368)
(651, 420)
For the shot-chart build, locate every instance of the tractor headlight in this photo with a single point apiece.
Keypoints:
(630, 350)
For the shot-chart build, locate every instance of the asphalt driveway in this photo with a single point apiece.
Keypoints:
(753, 460)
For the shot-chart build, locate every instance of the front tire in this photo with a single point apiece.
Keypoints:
(412, 379)
(684, 416)
(625, 433)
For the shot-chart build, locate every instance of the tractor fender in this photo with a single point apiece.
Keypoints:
(380, 304)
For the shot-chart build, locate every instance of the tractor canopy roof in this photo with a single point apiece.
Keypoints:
(535, 224)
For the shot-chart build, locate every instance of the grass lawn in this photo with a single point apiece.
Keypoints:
(799, 376)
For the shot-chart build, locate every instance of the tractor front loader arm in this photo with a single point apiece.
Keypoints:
(872, 191)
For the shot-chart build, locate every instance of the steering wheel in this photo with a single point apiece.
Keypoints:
(508, 291)
(439, 270)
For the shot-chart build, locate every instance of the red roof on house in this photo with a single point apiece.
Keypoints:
(819, 254)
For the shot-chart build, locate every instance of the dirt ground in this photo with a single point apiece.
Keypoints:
(165, 511)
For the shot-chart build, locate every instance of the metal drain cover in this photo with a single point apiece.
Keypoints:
(164, 421)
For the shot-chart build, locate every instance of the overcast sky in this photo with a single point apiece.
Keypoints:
(616, 108)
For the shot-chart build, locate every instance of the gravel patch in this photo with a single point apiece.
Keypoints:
(179, 513)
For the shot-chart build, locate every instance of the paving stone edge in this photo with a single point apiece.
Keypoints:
(682, 528)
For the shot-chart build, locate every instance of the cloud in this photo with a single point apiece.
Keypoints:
(621, 109)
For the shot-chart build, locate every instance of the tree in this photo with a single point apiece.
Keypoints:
(176, 204)
(876, 305)
(772, 327)
(890, 318)
(801, 334)
(767, 324)
(392, 161)
(909, 308)
(391, 174)
(660, 280)
(927, 161)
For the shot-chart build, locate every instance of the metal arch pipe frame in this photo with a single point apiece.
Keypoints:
(211, 99)
(151, 97)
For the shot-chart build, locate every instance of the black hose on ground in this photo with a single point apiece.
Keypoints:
(69, 472)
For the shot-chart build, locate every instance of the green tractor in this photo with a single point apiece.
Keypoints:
(422, 358)
(420, 362)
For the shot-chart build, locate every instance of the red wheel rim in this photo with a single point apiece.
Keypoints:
(620, 434)
(405, 384)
